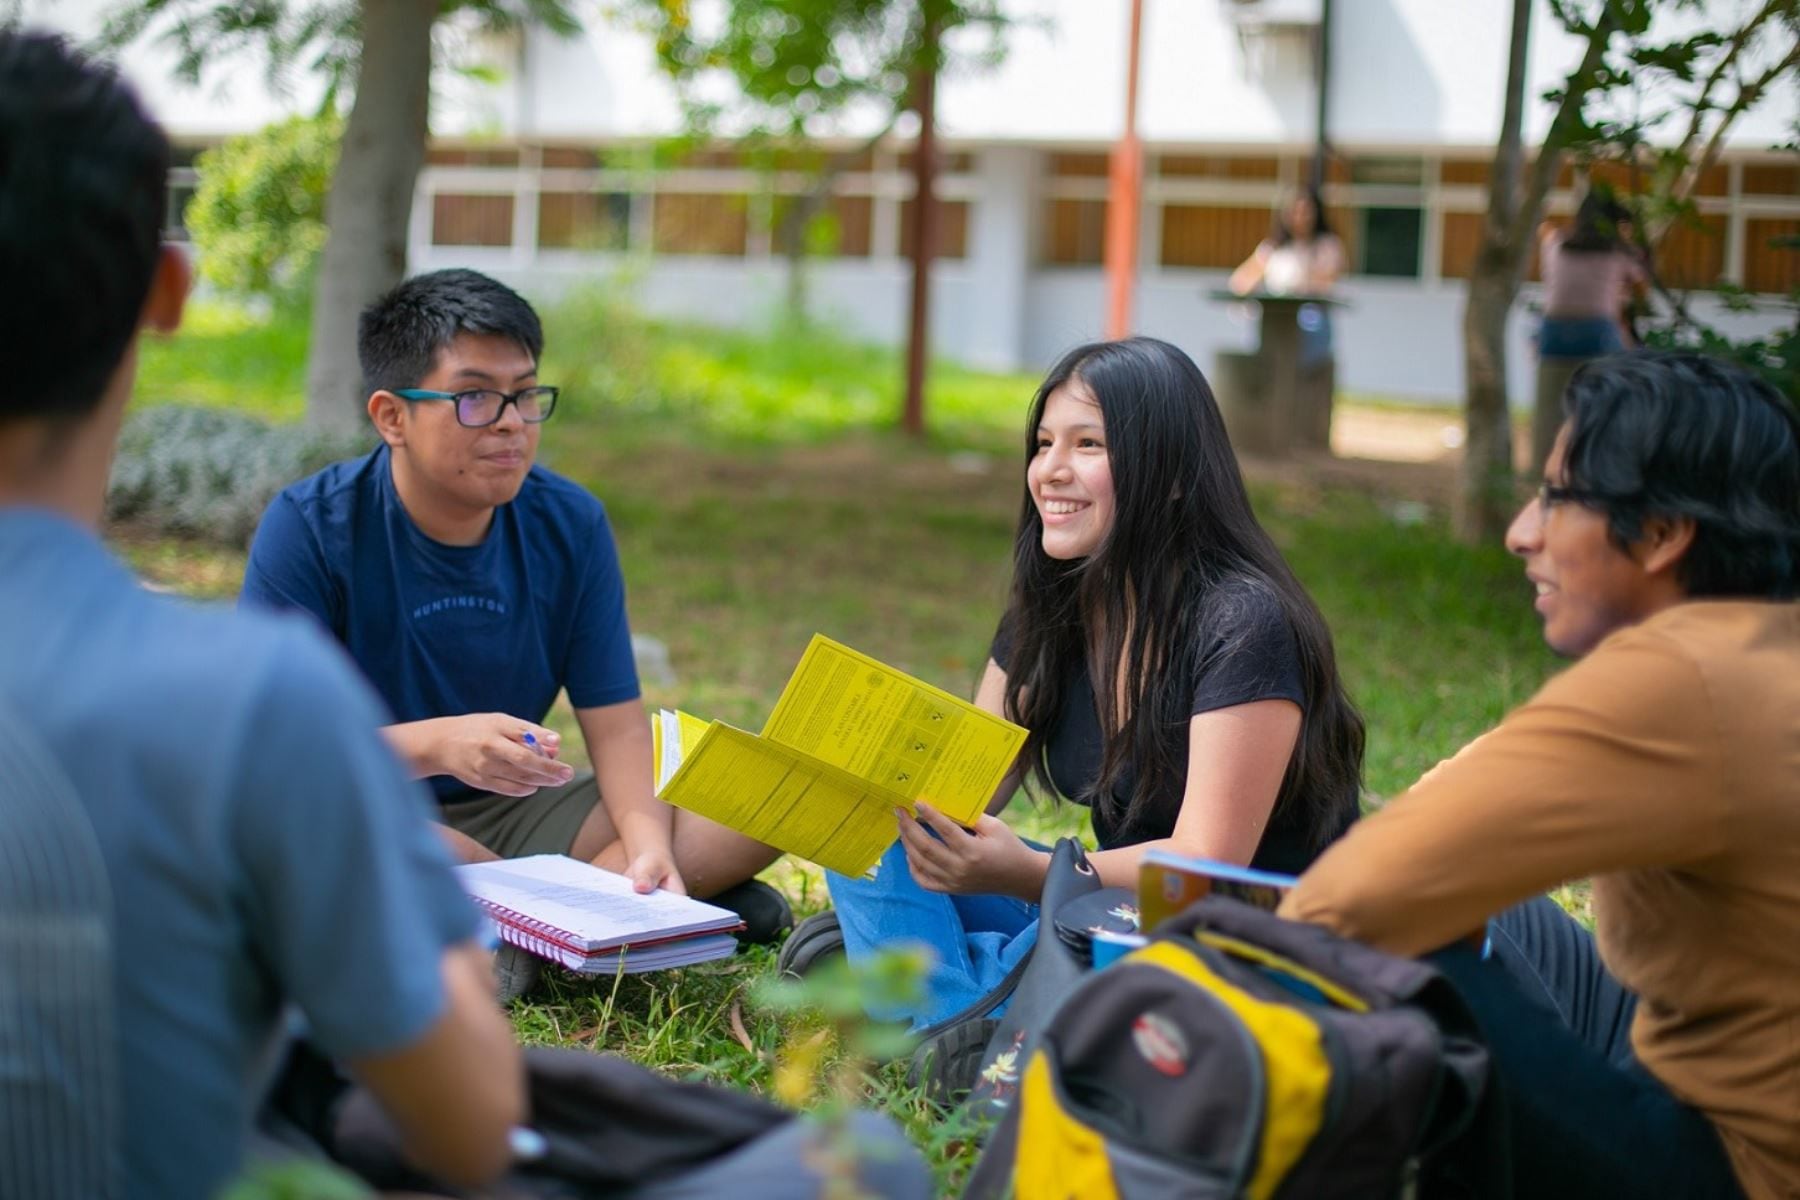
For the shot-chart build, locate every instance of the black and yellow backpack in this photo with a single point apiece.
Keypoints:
(1239, 1055)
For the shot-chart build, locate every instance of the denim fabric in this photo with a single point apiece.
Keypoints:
(1578, 337)
(1586, 1119)
(1315, 334)
(974, 940)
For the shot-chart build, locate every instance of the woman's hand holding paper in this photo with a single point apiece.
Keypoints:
(987, 857)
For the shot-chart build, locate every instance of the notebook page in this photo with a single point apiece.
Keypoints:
(591, 907)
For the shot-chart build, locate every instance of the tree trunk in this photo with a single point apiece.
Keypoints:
(370, 202)
(1485, 499)
(1486, 487)
(1484, 494)
(924, 237)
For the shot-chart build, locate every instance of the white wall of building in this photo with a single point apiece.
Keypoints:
(1408, 76)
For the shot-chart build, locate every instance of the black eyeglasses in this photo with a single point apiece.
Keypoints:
(1549, 495)
(482, 407)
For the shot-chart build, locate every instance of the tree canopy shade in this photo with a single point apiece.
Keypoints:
(813, 68)
(1647, 66)
(380, 51)
(799, 70)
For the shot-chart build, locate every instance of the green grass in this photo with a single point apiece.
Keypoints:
(760, 494)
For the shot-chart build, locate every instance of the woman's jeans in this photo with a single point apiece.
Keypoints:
(1586, 1119)
(1578, 337)
(974, 941)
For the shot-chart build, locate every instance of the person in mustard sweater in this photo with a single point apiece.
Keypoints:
(1660, 1057)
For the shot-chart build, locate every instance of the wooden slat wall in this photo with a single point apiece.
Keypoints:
(1197, 235)
(458, 220)
(698, 224)
(1772, 179)
(1216, 166)
(1075, 234)
(856, 221)
(1692, 257)
(952, 229)
(1770, 268)
(578, 220)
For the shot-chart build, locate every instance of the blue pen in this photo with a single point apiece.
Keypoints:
(533, 743)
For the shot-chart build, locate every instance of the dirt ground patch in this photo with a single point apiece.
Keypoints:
(1391, 454)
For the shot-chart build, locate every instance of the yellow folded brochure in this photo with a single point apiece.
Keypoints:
(851, 739)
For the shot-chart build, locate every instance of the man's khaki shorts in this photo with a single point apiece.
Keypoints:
(544, 822)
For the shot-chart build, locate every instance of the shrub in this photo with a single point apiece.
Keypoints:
(258, 215)
(203, 472)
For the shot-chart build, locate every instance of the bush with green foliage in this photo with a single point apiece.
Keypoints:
(205, 472)
(258, 215)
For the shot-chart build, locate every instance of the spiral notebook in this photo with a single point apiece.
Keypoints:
(590, 920)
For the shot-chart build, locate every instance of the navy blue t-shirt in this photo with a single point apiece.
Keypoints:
(441, 631)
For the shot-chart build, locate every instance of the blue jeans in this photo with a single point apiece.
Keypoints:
(1578, 337)
(974, 940)
(1586, 1119)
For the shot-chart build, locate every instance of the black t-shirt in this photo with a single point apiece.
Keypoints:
(1263, 665)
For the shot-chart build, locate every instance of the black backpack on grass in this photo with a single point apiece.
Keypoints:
(973, 1055)
(1240, 1055)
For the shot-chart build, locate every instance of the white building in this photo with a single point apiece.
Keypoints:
(538, 178)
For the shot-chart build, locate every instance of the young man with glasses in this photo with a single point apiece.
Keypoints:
(472, 586)
(1660, 1057)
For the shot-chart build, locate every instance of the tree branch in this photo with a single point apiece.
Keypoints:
(1580, 82)
(1739, 41)
(1748, 95)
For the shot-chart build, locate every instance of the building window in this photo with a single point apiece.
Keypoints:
(461, 220)
(952, 229)
(1388, 241)
(584, 220)
(699, 223)
(1204, 235)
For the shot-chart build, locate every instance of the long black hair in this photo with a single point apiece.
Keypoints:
(1597, 221)
(1283, 233)
(1154, 604)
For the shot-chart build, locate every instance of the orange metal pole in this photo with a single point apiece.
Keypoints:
(1122, 198)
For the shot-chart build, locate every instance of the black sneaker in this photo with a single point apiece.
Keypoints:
(516, 971)
(763, 909)
(817, 939)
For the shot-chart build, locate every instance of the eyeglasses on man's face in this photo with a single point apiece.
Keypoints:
(1550, 495)
(481, 407)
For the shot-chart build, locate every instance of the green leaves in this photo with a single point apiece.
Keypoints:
(799, 66)
(258, 217)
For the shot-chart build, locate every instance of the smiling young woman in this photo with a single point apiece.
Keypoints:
(1169, 669)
